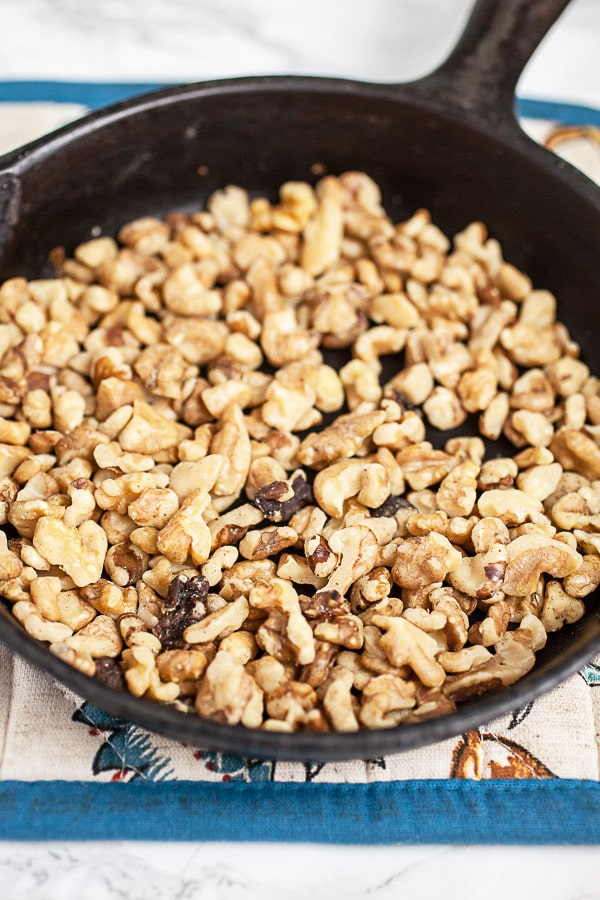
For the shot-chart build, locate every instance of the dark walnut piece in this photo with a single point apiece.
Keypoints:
(324, 605)
(269, 498)
(182, 608)
(110, 673)
(390, 507)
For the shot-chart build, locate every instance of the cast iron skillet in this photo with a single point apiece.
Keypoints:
(449, 142)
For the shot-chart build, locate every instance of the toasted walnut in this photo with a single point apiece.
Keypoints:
(357, 551)
(292, 702)
(444, 409)
(79, 552)
(560, 608)
(233, 443)
(477, 388)
(153, 507)
(465, 659)
(481, 576)
(323, 232)
(183, 607)
(422, 466)
(232, 526)
(567, 375)
(511, 506)
(424, 560)
(533, 427)
(218, 624)
(37, 626)
(540, 482)
(338, 701)
(385, 701)
(220, 561)
(350, 478)
(267, 542)
(99, 638)
(487, 532)
(458, 491)
(493, 418)
(105, 597)
(280, 500)
(370, 588)
(511, 661)
(406, 644)
(492, 629)
(229, 694)
(529, 555)
(147, 431)
(344, 631)
(286, 634)
(585, 578)
(296, 569)
(342, 439)
(186, 533)
(577, 452)
(414, 383)
(317, 672)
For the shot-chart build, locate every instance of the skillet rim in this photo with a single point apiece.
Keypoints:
(418, 94)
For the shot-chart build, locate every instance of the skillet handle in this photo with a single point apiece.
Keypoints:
(482, 71)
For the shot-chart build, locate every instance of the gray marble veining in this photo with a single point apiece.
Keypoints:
(281, 872)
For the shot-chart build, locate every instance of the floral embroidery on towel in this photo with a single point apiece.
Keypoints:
(126, 751)
(591, 674)
(235, 768)
(480, 755)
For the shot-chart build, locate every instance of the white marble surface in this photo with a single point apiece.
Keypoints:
(283, 872)
(188, 40)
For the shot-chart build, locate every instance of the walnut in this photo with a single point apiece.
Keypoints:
(186, 533)
(342, 439)
(337, 701)
(424, 560)
(286, 634)
(323, 232)
(577, 452)
(229, 694)
(267, 542)
(147, 431)
(280, 500)
(422, 466)
(292, 702)
(338, 482)
(385, 701)
(406, 644)
(529, 555)
(511, 661)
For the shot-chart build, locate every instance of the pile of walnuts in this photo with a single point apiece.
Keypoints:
(201, 509)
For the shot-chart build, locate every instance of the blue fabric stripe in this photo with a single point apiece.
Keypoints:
(97, 94)
(91, 94)
(553, 111)
(552, 811)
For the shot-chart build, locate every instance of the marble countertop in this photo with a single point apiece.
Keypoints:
(137, 871)
(187, 40)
